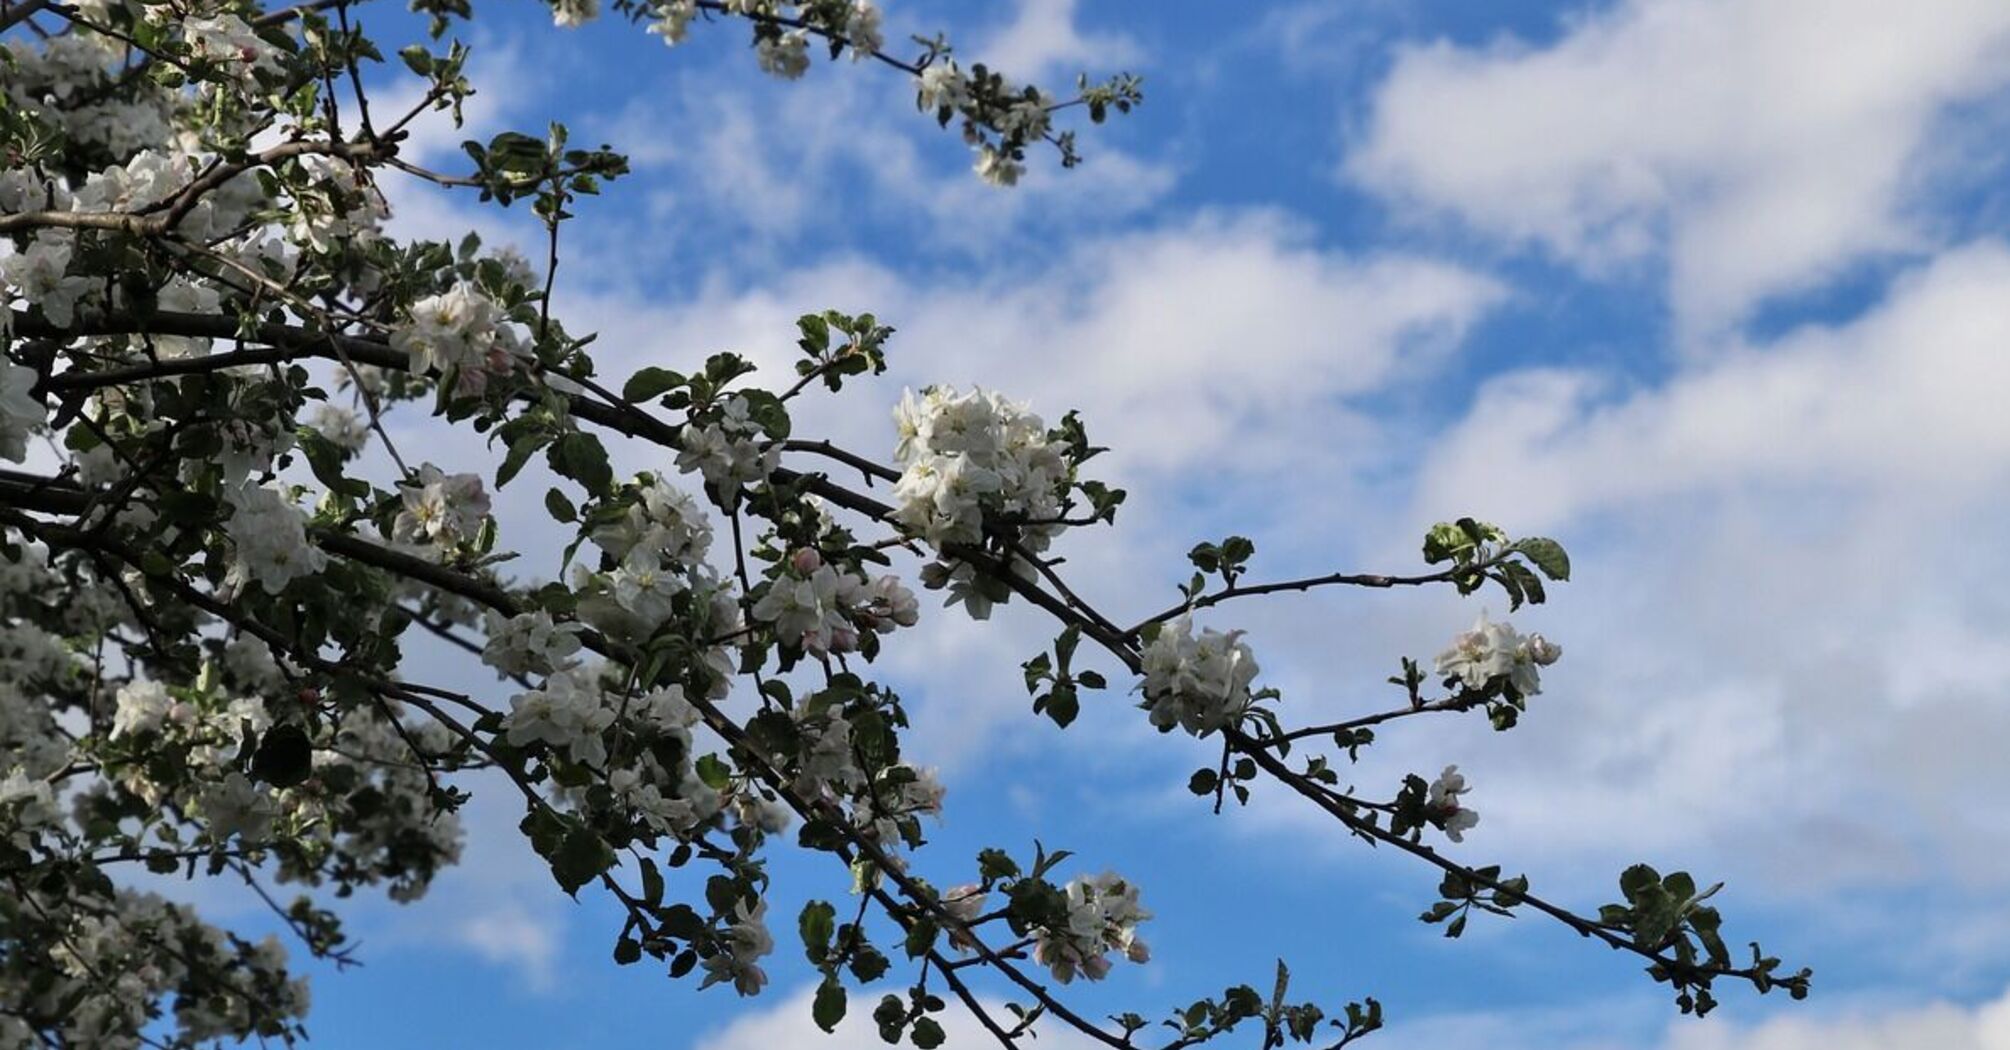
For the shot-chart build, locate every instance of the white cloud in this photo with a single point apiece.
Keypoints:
(782, 167)
(1042, 43)
(1782, 636)
(1902, 401)
(1765, 146)
(510, 936)
(787, 1024)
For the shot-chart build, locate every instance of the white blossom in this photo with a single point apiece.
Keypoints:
(529, 643)
(461, 329)
(966, 457)
(1496, 650)
(268, 535)
(440, 508)
(1196, 683)
(1444, 806)
(941, 85)
(861, 30)
(40, 274)
(673, 20)
(20, 411)
(345, 428)
(571, 14)
(142, 706)
(234, 807)
(570, 714)
(786, 55)
(730, 452)
(741, 947)
(1103, 916)
(997, 167)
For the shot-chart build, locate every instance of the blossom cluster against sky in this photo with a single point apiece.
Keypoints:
(1717, 293)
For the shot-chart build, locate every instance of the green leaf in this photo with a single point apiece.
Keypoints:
(927, 1034)
(920, 938)
(581, 457)
(627, 950)
(560, 508)
(325, 460)
(1063, 705)
(829, 1007)
(715, 773)
(520, 451)
(1636, 879)
(652, 883)
(650, 383)
(1548, 555)
(580, 859)
(817, 923)
(1202, 782)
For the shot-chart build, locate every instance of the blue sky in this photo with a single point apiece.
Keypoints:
(1716, 293)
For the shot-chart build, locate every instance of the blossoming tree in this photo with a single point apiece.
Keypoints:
(214, 559)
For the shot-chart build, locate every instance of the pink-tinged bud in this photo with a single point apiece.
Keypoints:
(1542, 651)
(806, 561)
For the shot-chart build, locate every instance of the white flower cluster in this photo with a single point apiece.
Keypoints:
(827, 770)
(344, 428)
(234, 807)
(890, 811)
(667, 800)
(441, 510)
(268, 535)
(1196, 683)
(333, 207)
(941, 86)
(1496, 650)
(1103, 916)
(666, 522)
(729, 452)
(115, 959)
(529, 643)
(27, 805)
(571, 14)
(208, 729)
(58, 80)
(251, 441)
(862, 30)
(463, 331)
(1444, 807)
(784, 55)
(741, 946)
(673, 20)
(39, 274)
(229, 42)
(570, 714)
(820, 608)
(966, 457)
(20, 411)
(659, 542)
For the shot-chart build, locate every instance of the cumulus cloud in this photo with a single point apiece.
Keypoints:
(1764, 147)
(1780, 636)
(1043, 42)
